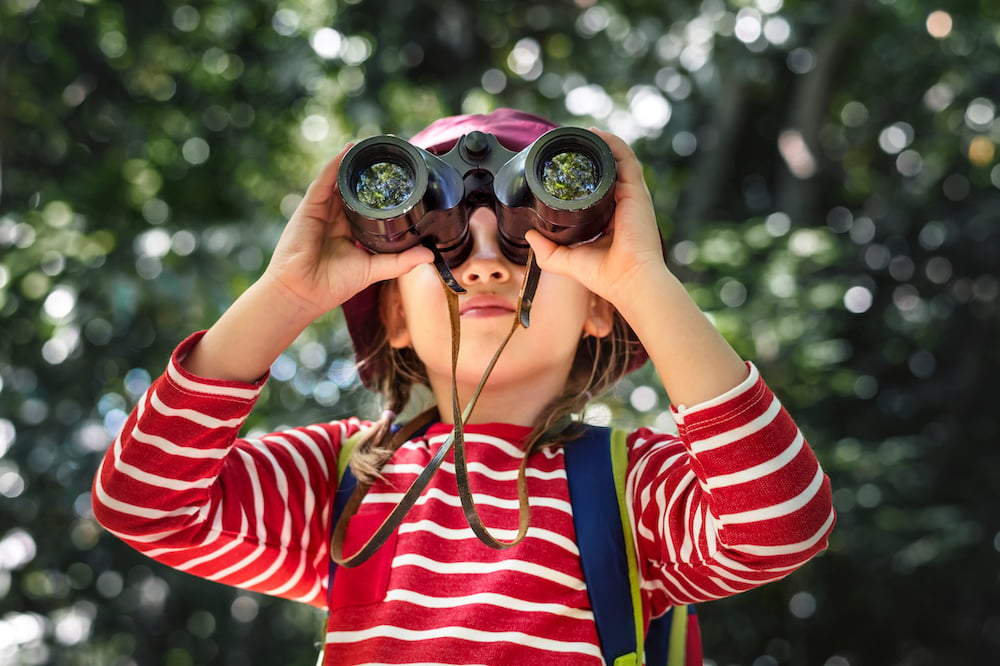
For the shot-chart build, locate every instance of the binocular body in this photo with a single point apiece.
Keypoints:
(397, 195)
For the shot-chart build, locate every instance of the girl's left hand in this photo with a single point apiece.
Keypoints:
(617, 263)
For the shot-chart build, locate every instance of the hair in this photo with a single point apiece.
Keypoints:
(599, 363)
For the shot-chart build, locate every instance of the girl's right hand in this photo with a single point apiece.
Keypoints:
(317, 260)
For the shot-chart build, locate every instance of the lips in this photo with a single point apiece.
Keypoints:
(485, 306)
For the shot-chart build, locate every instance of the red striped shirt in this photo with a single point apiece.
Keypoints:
(735, 501)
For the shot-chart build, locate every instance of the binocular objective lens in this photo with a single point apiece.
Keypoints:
(570, 176)
(384, 185)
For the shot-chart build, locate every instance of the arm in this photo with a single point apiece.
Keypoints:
(180, 486)
(315, 267)
(738, 501)
(626, 268)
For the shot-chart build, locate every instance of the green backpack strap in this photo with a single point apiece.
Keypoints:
(619, 468)
(596, 467)
(346, 449)
(678, 636)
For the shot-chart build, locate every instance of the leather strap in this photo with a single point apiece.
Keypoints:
(456, 438)
(399, 511)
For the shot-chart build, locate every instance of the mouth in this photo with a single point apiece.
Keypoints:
(479, 307)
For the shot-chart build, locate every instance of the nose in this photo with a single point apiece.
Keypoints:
(486, 262)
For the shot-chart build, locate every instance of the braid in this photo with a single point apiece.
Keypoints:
(599, 364)
(404, 370)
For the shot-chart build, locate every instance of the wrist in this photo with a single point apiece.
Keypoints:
(274, 294)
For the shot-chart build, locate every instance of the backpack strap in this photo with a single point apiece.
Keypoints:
(600, 517)
(603, 528)
(345, 488)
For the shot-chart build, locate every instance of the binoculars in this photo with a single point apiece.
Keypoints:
(397, 195)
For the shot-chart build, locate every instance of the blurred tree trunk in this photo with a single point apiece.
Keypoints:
(796, 188)
(718, 138)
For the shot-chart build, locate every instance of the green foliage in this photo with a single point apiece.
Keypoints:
(828, 181)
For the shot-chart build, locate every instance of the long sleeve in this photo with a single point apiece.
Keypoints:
(737, 501)
(179, 485)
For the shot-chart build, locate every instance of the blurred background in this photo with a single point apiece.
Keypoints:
(826, 175)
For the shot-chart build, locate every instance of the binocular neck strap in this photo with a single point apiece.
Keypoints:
(456, 438)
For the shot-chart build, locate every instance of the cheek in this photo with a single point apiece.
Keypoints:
(563, 298)
(423, 300)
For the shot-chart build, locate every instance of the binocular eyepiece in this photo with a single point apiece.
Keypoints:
(397, 195)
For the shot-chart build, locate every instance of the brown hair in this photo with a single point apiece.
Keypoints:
(598, 365)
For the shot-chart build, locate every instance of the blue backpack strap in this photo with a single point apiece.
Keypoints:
(601, 542)
(595, 470)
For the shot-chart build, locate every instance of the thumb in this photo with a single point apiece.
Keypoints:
(386, 266)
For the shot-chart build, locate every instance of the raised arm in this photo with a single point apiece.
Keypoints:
(315, 267)
(626, 267)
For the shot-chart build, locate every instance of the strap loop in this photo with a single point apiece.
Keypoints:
(456, 438)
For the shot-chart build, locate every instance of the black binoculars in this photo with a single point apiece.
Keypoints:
(397, 195)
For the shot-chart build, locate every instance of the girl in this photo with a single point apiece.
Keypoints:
(735, 501)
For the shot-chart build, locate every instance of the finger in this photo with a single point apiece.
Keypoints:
(323, 185)
(550, 255)
(386, 266)
(628, 165)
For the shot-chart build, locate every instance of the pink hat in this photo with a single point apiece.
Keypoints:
(515, 130)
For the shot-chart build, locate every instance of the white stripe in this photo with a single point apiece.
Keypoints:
(680, 491)
(280, 480)
(211, 389)
(510, 450)
(758, 471)
(464, 634)
(776, 510)
(485, 500)
(258, 510)
(729, 564)
(682, 588)
(239, 566)
(737, 434)
(692, 536)
(172, 449)
(788, 549)
(192, 415)
(293, 580)
(303, 542)
(490, 599)
(466, 568)
(140, 511)
(414, 663)
(476, 468)
(215, 533)
(312, 595)
(211, 536)
(160, 481)
(147, 477)
(691, 522)
(314, 447)
(466, 533)
(730, 575)
(284, 539)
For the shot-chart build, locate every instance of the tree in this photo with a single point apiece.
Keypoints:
(827, 177)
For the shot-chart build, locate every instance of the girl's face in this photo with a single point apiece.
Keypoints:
(416, 314)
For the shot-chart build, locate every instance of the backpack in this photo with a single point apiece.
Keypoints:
(595, 471)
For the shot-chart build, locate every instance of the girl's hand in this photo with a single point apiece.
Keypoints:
(317, 260)
(617, 263)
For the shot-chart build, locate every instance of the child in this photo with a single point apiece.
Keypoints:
(735, 501)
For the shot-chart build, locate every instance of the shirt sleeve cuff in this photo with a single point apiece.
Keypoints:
(742, 387)
(189, 382)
